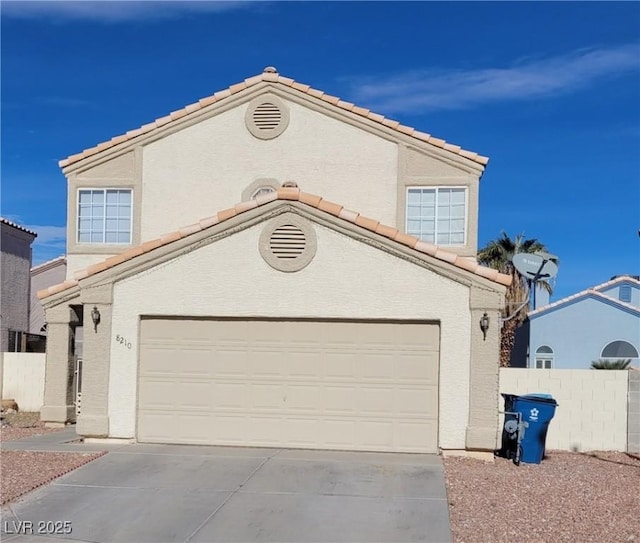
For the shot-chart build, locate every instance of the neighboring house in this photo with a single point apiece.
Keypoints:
(43, 276)
(318, 312)
(15, 263)
(602, 322)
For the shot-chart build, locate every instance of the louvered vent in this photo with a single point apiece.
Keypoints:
(267, 116)
(287, 242)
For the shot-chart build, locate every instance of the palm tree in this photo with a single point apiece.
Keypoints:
(497, 254)
(604, 364)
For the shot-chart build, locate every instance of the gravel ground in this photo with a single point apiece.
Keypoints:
(22, 425)
(569, 497)
(23, 471)
(589, 497)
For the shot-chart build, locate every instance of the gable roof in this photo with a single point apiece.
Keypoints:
(270, 75)
(290, 194)
(593, 292)
(18, 227)
(49, 264)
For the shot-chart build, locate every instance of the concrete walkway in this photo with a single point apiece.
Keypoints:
(166, 493)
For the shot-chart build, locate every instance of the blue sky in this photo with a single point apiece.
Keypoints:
(549, 91)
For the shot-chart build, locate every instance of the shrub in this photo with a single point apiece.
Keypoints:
(604, 364)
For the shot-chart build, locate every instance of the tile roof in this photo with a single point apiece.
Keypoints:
(593, 291)
(10, 223)
(293, 194)
(270, 75)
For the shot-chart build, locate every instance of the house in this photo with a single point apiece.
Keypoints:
(272, 266)
(602, 322)
(43, 276)
(15, 263)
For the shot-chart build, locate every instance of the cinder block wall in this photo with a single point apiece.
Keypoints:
(634, 412)
(23, 379)
(592, 414)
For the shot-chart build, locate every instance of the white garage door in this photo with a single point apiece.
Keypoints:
(368, 386)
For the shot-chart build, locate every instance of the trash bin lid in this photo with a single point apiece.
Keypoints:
(541, 396)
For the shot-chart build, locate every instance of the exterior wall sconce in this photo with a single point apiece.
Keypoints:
(484, 325)
(95, 317)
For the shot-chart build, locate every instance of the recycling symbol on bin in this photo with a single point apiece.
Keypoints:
(533, 414)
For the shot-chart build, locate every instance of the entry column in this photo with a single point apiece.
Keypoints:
(58, 405)
(93, 420)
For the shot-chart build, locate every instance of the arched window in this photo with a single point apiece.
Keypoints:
(544, 357)
(619, 349)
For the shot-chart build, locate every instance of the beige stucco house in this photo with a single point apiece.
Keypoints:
(272, 266)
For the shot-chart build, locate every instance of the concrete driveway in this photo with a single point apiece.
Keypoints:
(160, 493)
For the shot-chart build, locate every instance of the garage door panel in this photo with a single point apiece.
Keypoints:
(416, 366)
(375, 434)
(266, 396)
(414, 401)
(311, 384)
(228, 395)
(340, 400)
(417, 436)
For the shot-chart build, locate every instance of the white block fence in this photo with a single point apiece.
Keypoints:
(593, 410)
(23, 379)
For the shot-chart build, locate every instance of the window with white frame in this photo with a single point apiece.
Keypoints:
(544, 357)
(619, 349)
(437, 214)
(104, 216)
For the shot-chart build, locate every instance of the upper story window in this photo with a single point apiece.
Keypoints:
(544, 357)
(437, 215)
(625, 293)
(104, 216)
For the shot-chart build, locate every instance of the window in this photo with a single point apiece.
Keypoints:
(544, 357)
(625, 293)
(437, 215)
(104, 216)
(619, 349)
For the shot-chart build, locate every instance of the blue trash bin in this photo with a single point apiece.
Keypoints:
(536, 410)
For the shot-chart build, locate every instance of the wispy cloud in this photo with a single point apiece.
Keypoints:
(428, 90)
(114, 11)
(50, 243)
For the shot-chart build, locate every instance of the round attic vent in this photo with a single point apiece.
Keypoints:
(288, 243)
(267, 117)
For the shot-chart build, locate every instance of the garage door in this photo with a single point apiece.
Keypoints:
(368, 386)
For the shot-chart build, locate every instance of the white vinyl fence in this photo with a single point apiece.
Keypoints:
(593, 410)
(23, 379)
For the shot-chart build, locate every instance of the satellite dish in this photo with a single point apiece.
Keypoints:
(535, 266)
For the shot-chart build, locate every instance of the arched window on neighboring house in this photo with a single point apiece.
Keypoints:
(619, 349)
(544, 357)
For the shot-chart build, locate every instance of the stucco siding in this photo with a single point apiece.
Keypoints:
(15, 266)
(205, 168)
(614, 292)
(346, 279)
(578, 332)
(40, 280)
(78, 262)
